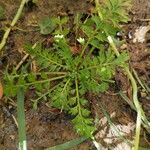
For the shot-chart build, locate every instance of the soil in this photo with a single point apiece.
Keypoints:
(45, 127)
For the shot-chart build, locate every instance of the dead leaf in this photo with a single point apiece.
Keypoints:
(1, 90)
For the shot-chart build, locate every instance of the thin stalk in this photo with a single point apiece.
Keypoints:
(113, 125)
(90, 52)
(51, 61)
(38, 99)
(39, 73)
(41, 81)
(140, 82)
(98, 9)
(76, 22)
(64, 90)
(21, 119)
(145, 122)
(14, 21)
(60, 26)
(68, 145)
(84, 48)
(66, 85)
(78, 98)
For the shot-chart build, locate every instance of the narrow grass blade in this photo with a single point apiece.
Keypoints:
(114, 127)
(127, 100)
(21, 119)
(146, 87)
(142, 83)
(68, 145)
(145, 121)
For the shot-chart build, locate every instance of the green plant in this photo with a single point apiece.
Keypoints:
(77, 66)
(141, 117)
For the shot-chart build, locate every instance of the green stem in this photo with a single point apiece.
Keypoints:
(98, 9)
(47, 92)
(90, 52)
(60, 25)
(64, 90)
(84, 48)
(140, 82)
(21, 119)
(51, 61)
(14, 21)
(66, 85)
(39, 73)
(78, 98)
(42, 81)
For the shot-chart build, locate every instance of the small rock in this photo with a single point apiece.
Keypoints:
(143, 94)
(140, 34)
(123, 47)
(12, 137)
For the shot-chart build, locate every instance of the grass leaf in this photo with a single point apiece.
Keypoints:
(68, 145)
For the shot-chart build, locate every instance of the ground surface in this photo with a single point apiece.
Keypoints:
(46, 128)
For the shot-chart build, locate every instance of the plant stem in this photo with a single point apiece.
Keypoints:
(51, 61)
(77, 95)
(66, 85)
(98, 9)
(17, 16)
(39, 73)
(53, 88)
(62, 92)
(42, 81)
(84, 48)
(90, 52)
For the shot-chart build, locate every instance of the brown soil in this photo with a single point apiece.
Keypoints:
(46, 128)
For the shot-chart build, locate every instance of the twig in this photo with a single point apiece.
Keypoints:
(14, 21)
(146, 20)
(15, 120)
(22, 61)
(24, 58)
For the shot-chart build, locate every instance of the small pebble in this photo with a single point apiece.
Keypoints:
(147, 97)
(12, 137)
(143, 94)
(123, 47)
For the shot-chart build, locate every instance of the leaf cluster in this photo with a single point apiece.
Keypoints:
(91, 69)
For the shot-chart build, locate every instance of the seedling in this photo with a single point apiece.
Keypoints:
(71, 67)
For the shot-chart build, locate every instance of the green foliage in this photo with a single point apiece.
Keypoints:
(48, 25)
(89, 70)
(116, 11)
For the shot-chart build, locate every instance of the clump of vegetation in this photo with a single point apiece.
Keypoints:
(73, 66)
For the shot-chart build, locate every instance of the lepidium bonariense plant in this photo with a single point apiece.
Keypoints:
(68, 72)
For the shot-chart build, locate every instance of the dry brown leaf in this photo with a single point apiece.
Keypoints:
(1, 90)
